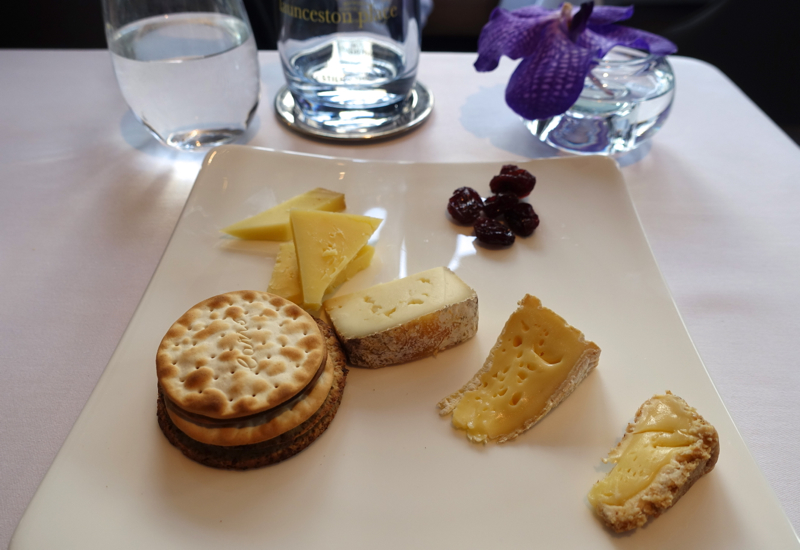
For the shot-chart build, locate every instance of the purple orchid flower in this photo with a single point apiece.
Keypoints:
(558, 49)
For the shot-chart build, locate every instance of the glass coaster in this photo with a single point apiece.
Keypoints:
(355, 124)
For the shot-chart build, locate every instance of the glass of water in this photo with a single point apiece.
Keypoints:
(351, 66)
(188, 69)
(625, 100)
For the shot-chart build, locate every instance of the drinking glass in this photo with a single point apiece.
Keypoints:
(351, 65)
(188, 69)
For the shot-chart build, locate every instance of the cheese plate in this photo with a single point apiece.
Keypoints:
(389, 472)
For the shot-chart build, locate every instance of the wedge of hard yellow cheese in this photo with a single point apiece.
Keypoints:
(668, 447)
(405, 319)
(537, 361)
(285, 279)
(326, 242)
(273, 224)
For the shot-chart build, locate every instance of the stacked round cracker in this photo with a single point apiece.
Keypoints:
(247, 379)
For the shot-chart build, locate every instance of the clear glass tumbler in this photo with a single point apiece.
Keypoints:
(625, 100)
(188, 69)
(349, 55)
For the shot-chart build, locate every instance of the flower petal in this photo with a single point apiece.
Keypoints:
(548, 82)
(605, 15)
(602, 38)
(558, 49)
(579, 20)
(513, 34)
(534, 11)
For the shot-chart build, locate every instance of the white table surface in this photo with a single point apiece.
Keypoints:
(89, 201)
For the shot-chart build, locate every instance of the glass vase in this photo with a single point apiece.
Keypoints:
(625, 100)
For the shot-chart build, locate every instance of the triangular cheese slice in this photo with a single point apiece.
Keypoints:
(325, 243)
(285, 279)
(273, 224)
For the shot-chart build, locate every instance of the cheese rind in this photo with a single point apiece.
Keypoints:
(273, 224)
(285, 279)
(325, 243)
(664, 451)
(405, 319)
(537, 361)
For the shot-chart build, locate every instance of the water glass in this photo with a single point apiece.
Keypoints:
(625, 100)
(188, 69)
(342, 58)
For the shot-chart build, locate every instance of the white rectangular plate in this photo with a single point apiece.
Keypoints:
(390, 473)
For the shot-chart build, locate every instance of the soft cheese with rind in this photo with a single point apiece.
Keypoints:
(273, 224)
(537, 361)
(664, 451)
(405, 319)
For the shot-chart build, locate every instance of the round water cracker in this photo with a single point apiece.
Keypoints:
(255, 429)
(286, 445)
(239, 354)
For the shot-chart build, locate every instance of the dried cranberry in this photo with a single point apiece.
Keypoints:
(519, 182)
(465, 205)
(493, 232)
(496, 205)
(508, 168)
(522, 219)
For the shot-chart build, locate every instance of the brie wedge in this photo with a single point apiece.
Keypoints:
(668, 447)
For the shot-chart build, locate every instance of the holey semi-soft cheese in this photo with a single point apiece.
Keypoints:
(406, 319)
(537, 362)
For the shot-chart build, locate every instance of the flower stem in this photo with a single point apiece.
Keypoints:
(599, 84)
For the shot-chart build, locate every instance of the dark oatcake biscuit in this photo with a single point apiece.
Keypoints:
(246, 457)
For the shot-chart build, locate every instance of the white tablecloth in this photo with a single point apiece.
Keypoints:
(89, 200)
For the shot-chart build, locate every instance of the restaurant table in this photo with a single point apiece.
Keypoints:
(89, 200)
